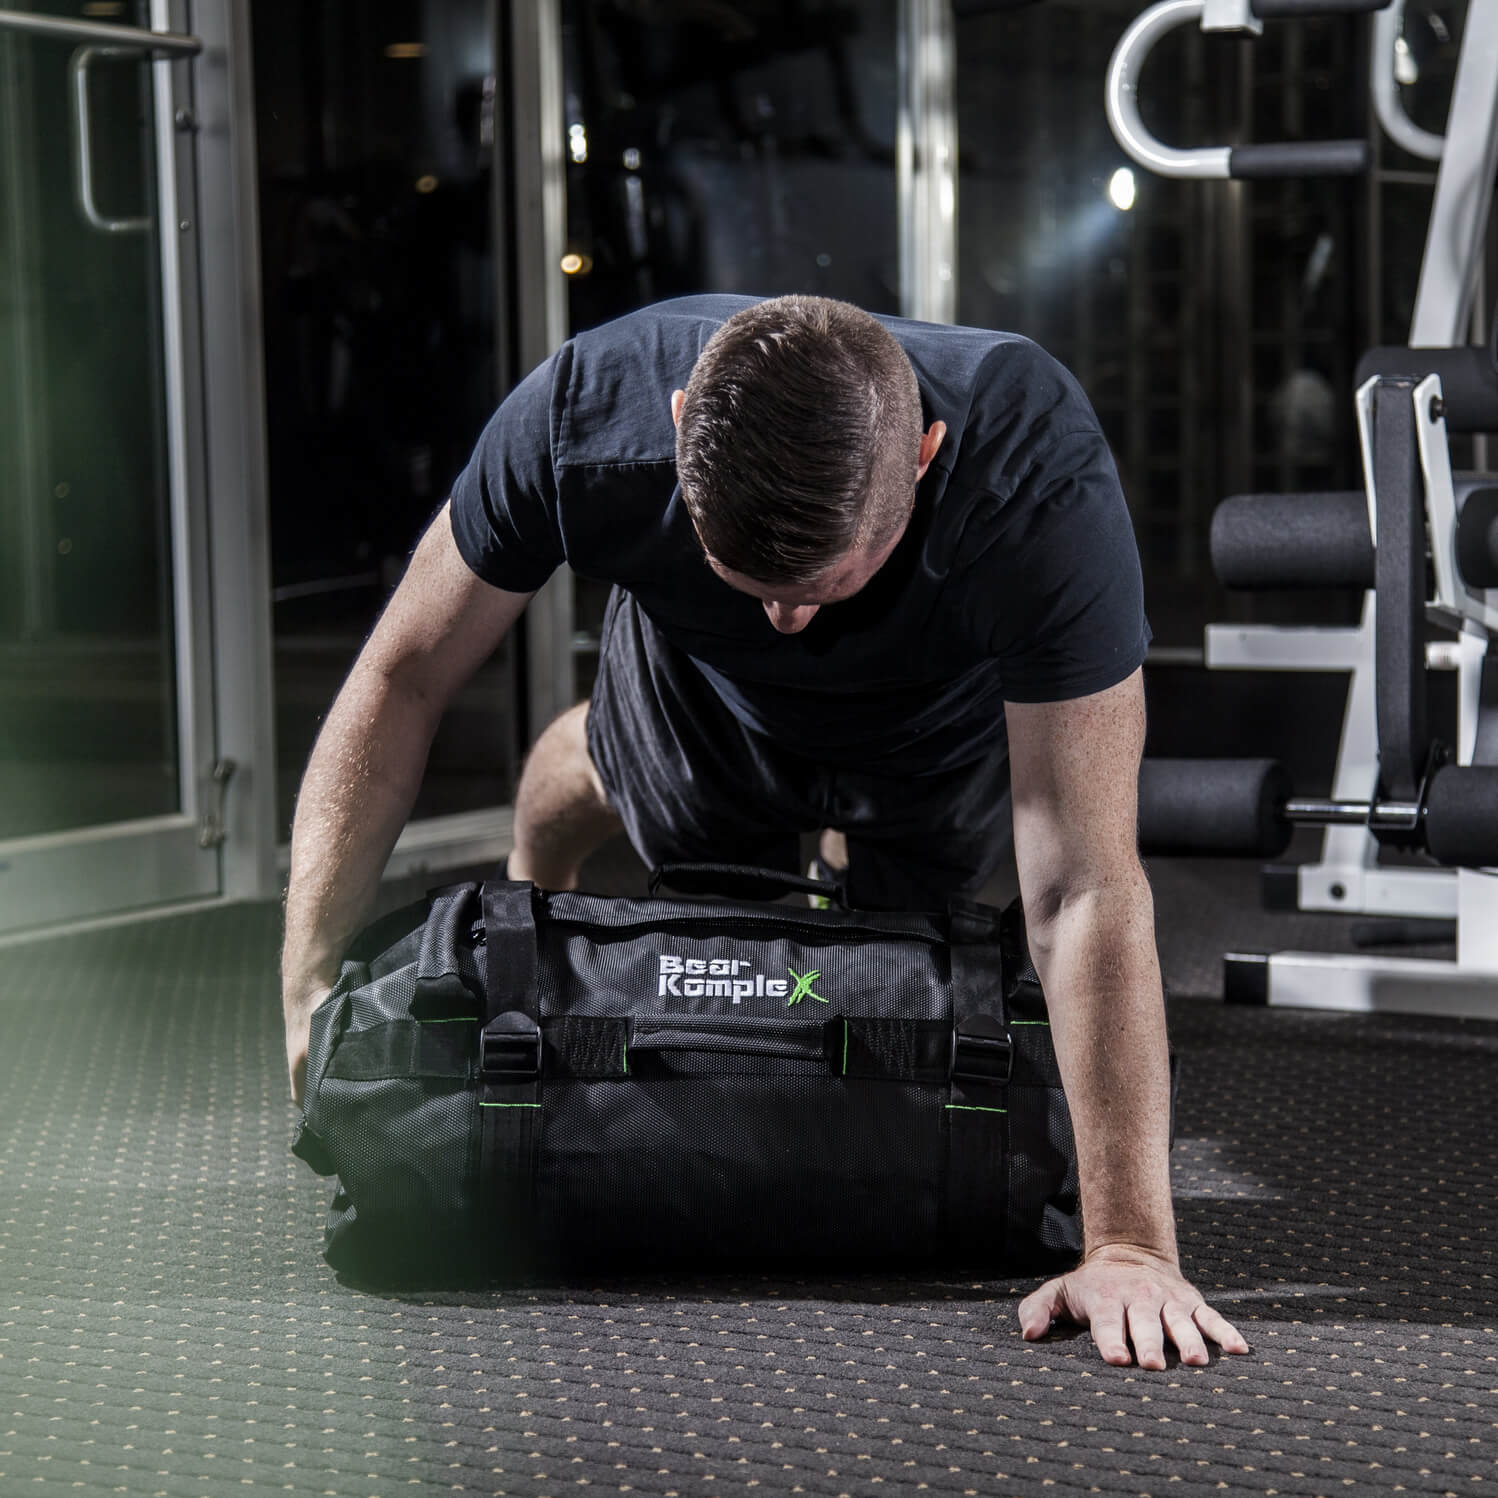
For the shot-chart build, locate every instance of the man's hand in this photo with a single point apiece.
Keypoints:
(297, 1006)
(1129, 1295)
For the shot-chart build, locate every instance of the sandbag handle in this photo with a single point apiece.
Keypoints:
(785, 1040)
(746, 881)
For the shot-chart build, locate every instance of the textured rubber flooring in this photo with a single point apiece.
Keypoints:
(168, 1327)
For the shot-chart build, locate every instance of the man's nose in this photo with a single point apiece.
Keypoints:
(791, 619)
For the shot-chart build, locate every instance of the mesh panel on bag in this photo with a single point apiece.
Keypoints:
(384, 998)
(684, 1170)
(405, 1154)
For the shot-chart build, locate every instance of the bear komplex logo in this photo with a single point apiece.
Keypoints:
(732, 978)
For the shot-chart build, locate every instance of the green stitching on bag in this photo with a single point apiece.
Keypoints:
(973, 1108)
(846, 1028)
(509, 1105)
(1044, 1022)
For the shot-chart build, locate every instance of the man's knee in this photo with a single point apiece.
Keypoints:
(562, 812)
(561, 754)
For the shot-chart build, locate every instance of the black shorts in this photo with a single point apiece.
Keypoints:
(692, 784)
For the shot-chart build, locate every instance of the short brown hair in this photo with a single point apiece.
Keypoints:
(799, 438)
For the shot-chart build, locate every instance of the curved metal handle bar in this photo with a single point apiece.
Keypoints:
(1398, 126)
(83, 154)
(134, 37)
(1281, 159)
(1122, 96)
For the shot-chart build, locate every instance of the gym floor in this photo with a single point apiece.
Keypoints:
(168, 1327)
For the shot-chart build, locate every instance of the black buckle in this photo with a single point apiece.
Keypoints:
(982, 1051)
(510, 1048)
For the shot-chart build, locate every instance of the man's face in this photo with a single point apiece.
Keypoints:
(792, 606)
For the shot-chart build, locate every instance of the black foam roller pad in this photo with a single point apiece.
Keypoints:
(1293, 541)
(1461, 816)
(1273, 10)
(1225, 806)
(1477, 539)
(1469, 383)
(1301, 158)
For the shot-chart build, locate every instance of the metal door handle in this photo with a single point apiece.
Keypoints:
(97, 41)
(83, 156)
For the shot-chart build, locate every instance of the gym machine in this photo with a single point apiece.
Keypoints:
(1427, 547)
(1422, 542)
(1347, 877)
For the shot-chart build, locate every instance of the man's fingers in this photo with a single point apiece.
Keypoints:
(1106, 1319)
(1185, 1334)
(1221, 1330)
(1039, 1308)
(1147, 1334)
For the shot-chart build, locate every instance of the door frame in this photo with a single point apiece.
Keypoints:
(220, 842)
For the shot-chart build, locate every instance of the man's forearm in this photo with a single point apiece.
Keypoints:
(358, 790)
(1097, 962)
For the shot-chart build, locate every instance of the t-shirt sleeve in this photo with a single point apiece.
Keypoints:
(504, 504)
(1063, 591)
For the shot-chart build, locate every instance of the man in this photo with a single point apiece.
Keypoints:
(847, 555)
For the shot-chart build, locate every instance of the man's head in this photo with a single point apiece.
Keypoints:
(798, 447)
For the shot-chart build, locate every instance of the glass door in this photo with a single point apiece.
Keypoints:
(375, 128)
(109, 793)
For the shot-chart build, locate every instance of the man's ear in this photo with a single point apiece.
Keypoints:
(930, 443)
(678, 397)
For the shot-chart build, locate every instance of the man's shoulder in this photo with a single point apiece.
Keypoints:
(1007, 403)
(957, 350)
(615, 398)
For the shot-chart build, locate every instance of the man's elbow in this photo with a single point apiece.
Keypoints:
(1108, 904)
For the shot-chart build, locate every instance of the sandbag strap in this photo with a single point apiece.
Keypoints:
(510, 1056)
(979, 1147)
(510, 957)
(977, 1104)
(978, 975)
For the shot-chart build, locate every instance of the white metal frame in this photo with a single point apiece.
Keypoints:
(223, 139)
(1464, 190)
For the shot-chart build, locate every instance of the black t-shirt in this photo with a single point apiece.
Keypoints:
(1017, 578)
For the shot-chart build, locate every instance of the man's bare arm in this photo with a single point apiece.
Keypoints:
(441, 623)
(1075, 770)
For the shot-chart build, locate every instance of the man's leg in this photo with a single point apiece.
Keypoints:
(561, 812)
(915, 841)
